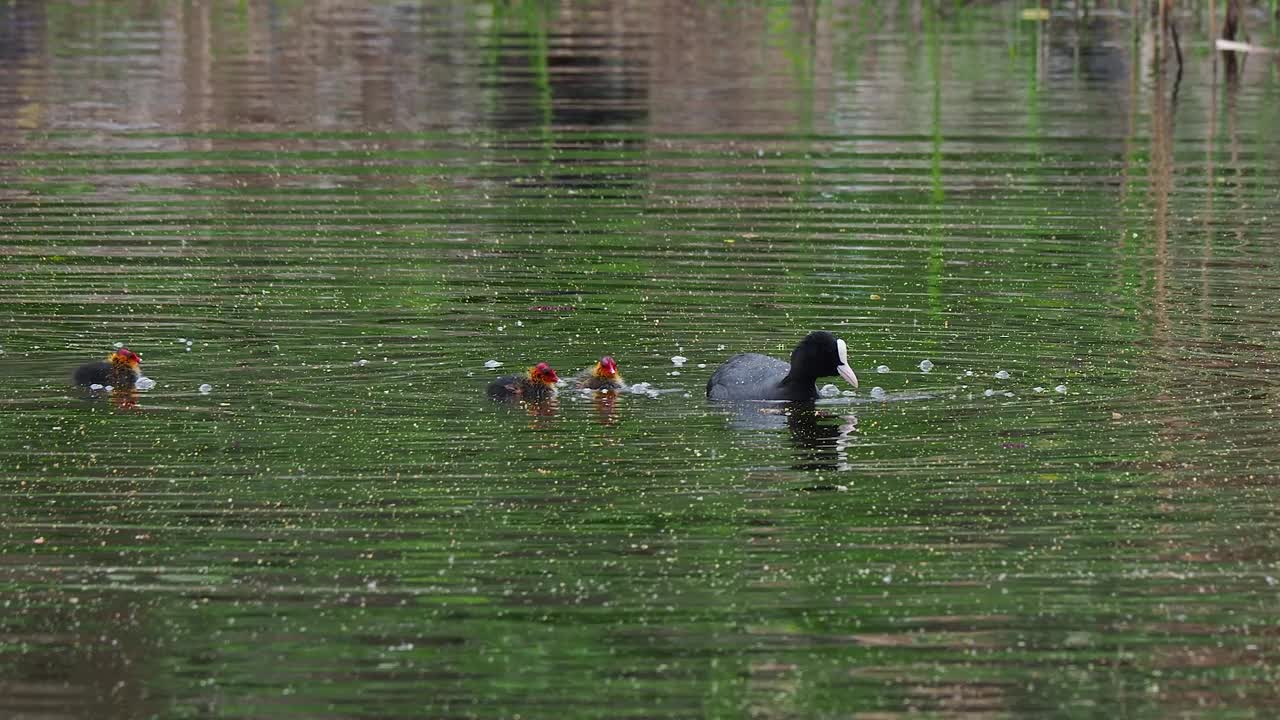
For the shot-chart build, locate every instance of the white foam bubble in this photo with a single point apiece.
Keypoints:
(144, 383)
(679, 360)
(1061, 389)
(491, 364)
(829, 390)
(95, 386)
(925, 366)
(205, 389)
(877, 392)
(1002, 375)
(882, 369)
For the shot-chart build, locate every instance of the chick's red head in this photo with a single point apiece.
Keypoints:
(543, 373)
(126, 356)
(606, 367)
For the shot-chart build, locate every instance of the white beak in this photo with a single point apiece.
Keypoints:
(843, 368)
(846, 372)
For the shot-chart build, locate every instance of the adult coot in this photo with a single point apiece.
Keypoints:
(751, 376)
(536, 385)
(604, 376)
(120, 370)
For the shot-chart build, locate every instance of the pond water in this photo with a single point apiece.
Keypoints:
(333, 214)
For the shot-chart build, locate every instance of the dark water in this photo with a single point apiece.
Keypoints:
(295, 188)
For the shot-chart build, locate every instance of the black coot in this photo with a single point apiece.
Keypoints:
(751, 376)
(120, 370)
(536, 385)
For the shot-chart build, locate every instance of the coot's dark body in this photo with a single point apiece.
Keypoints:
(751, 376)
(598, 383)
(519, 387)
(120, 370)
(537, 385)
(603, 376)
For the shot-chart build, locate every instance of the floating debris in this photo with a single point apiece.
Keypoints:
(205, 389)
(1001, 375)
(491, 364)
(643, 388)
(988, 392)
(143, 383)
(117, 345)
(679, 360)
(360, 363)
(1061, 389)
(1038, 389)
(925, 366)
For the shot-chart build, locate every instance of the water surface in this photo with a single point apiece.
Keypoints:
(334, 213)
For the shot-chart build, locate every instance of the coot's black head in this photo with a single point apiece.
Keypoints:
(821, 354)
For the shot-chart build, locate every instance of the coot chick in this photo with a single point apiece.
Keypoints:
(604, 376)
(120, 370)
(751, 376)
(536, 385)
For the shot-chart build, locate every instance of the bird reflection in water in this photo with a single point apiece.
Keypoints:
(605, 404)
(541, 412)
(126, 399)
(820, 439)
(121, 398)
